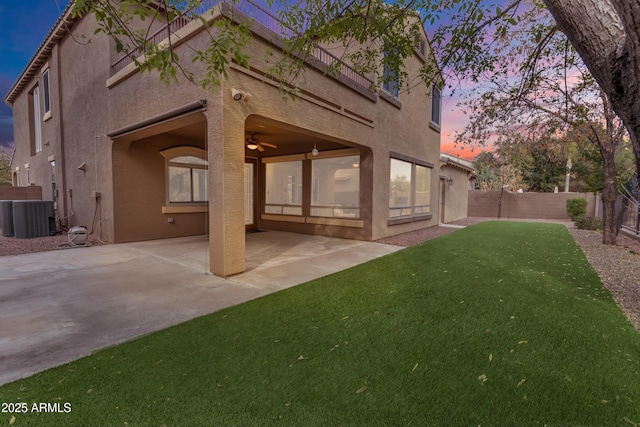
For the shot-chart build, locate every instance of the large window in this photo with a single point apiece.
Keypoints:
(422, 193)
(186, 175)
(436, 104)
(400, 188)
(336, 187)
(409, 190)
(284, 188)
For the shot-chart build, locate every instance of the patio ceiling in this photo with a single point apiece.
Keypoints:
(289, 139)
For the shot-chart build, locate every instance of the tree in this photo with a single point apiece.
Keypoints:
(5, 166)
(543, 90)
(607, 37)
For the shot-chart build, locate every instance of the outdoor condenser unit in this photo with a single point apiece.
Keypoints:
(6, 217)
(31, 218)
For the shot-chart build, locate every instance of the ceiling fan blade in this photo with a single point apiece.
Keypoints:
(266, 144)
(260, 147)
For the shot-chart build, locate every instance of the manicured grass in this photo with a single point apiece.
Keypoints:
(498, 324)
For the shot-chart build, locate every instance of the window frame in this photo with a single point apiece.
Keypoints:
(409, 205)
(37, 119)
(185, 151)
(46, 89)
(336, 211)
(436, 106)
(424, 208)
(390, 81)
(290, 209)
(412, 216)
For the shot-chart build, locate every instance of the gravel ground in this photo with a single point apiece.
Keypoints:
(13, 246)
(618, 266)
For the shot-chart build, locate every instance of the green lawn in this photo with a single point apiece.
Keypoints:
(501, 323)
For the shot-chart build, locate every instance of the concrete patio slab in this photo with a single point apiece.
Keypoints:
(58, 306)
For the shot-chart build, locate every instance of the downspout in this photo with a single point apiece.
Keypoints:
(62, 195)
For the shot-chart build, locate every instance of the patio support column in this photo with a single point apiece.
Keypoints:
(226, 191)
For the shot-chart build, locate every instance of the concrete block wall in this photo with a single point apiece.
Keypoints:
(32, 192)
(525, 205)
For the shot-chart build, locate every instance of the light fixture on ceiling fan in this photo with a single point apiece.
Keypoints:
(252, 143)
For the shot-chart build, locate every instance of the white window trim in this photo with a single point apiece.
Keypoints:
(37, 119)
(28, 173)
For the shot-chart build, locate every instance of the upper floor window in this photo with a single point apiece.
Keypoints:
(35, 120)
(47, 93)
(186, 175)
(390, 81)
(436, 104)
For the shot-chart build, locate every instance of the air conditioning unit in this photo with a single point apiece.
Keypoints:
(6, 217)
(31, 218)
(78, 236)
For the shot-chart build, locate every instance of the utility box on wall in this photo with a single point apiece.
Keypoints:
(31, 218)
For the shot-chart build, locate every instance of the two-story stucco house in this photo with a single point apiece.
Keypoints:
(133, 159)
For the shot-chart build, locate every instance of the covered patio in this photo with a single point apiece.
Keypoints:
(59, 306)
(275, 260)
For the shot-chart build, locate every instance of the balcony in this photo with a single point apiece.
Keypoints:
(260, 16)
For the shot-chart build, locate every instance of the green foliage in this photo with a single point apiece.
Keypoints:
(576, 207)
(5, 167)
(547, 170)
(517, 330)
(585, 222)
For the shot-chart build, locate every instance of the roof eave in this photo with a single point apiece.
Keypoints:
(60, 29)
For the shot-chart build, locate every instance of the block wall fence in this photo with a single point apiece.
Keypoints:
(525, 205)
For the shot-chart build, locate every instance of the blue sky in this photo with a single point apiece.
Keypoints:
(23, 26)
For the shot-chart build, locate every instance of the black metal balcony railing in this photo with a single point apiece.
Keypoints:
(259, 15)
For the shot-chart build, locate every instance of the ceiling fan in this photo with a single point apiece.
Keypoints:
(254, 143)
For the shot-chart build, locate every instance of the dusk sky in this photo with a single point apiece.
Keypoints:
(25, 23)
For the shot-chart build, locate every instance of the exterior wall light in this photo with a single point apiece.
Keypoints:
(240, 94)
(450, 181)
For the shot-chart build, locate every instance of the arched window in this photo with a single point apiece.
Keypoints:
(186, 171)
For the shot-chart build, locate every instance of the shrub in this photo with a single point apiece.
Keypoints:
(576, 208)
(584, 222)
